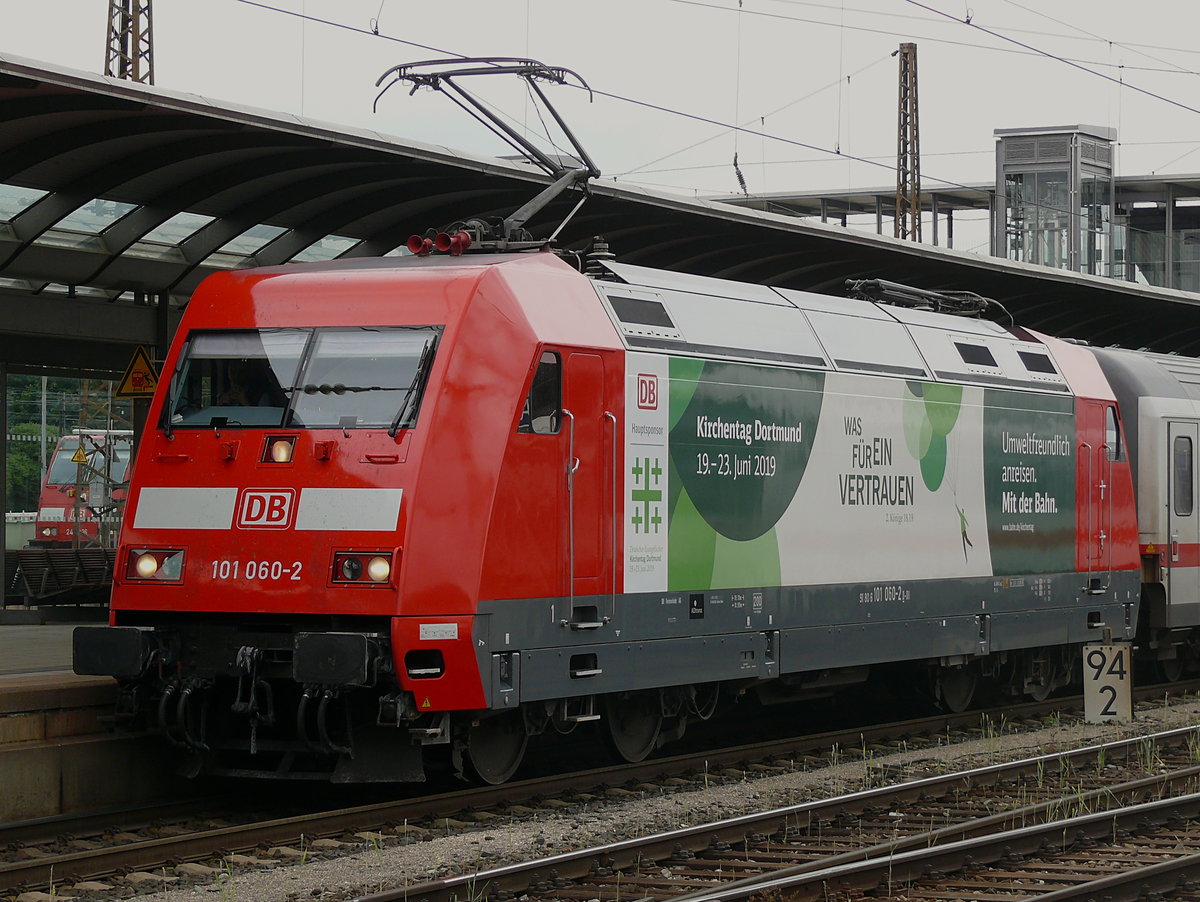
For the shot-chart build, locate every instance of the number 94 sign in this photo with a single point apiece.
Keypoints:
(1107, 697)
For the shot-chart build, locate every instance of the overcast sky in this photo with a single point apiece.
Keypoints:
(808, 78)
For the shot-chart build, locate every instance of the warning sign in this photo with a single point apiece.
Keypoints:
(141, 378)
(79, 457)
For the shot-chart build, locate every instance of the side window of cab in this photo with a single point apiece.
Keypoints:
(542, 412)
(1112, 435)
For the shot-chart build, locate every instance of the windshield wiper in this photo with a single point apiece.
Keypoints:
(417, 389)
(175, 388)
(340, 389)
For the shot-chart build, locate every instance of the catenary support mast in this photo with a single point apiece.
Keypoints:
(908, 150)
(130, 48)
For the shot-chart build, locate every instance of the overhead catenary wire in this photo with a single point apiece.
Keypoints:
(1175, 159)
(1031, 51)
(645, 104)
(833, 154)
(817, 160)
(1131, 45)
(1054, 56)
(761, 118)
(537, 108)
(892, 33)
(737, 111)
(694, 117)
(378, 15)
(837, 146)
(1096, 37)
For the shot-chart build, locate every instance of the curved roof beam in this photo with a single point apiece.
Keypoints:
(266, 207)
(36, 220)
(190, 195)
(70, 154)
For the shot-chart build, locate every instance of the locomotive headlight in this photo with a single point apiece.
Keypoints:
(351, 568)
(278, 449)
(146, 565)
(362, 568)
(379, 569)
(159, 564)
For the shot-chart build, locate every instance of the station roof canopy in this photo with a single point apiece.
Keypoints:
(880, 201)
(864, 201)
(115, 196)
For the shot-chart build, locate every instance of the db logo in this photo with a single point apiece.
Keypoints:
(266, 508)
(647, 392)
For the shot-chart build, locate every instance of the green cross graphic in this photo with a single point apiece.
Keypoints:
(645, 470)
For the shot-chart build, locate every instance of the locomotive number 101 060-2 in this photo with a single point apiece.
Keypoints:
(260, 570)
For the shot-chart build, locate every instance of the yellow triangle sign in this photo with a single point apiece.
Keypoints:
(141, 378)
(79, 457)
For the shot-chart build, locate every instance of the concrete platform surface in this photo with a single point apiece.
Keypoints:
(56, 754)
(35, 648)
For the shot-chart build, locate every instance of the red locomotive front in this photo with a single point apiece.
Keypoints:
(303, 550)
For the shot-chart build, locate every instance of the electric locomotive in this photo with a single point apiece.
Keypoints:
(394, 508)
(82, 488)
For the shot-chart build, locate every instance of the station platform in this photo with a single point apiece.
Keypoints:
(35, 648)
(40, 697)
(57, 753)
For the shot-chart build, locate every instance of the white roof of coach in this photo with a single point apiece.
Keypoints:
(678, 313)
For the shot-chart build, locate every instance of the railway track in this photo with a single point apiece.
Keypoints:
(1026, 826)
(68, 851)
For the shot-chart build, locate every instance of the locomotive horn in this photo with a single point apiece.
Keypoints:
(419, 246)
(455, 244)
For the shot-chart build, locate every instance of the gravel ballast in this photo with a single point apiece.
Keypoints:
(386, 862)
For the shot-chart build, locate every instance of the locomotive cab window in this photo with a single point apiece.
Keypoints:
(302, 378)
(541, 413)
(64, 469)
(1112, 435)
(362, 377)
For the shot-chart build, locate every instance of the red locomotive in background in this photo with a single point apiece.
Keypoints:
(83, 489)
(399, 507)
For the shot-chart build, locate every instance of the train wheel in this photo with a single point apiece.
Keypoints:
(496, 746)
(956, 687)
(1172, 669)
(1040, 668)
(634, 720)
(703, 700)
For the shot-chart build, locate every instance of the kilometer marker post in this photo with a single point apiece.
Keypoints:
(1107, 681)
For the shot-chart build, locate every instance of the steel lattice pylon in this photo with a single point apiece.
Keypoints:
(130, 53)
(908, 150)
